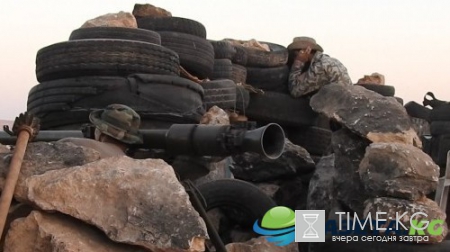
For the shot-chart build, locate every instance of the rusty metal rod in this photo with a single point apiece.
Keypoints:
(12, 177)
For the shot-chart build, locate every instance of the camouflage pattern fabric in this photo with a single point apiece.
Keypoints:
(322, 71)
(118, 121)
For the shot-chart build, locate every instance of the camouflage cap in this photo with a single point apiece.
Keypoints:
(303, 42)
(118, 121)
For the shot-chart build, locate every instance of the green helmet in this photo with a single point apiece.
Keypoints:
(118, 121)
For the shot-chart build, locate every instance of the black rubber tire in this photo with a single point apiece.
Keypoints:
(236, 194)
(314, 139)
(116, 33)
(147, 94)
(416, 110)
(269, 79)
(280, 108)
(440, 128)
(440, 113)
(104, 57)
(221, 93)
(277, 56)
(240, 57)
(242, 99)
(172, 24)
(239, 74)
(223, 69)
(223, 49)
(383, 90)
(196, 54)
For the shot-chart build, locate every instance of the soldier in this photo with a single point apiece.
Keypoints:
(116, 127)
(312, 69)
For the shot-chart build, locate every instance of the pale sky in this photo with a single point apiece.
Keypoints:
(407, 41)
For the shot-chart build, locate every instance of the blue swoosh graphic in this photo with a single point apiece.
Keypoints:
(282, 240)
(279, 237)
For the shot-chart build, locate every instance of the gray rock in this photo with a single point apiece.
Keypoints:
(398, 170)
(137, 202)
(397, 207)
(349, 150)
(292, 193)
(321, 194)
(370, 115)
(254, 167)
(41, 157)
(43, 232)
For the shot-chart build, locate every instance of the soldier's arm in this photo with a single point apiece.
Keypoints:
(300, 84)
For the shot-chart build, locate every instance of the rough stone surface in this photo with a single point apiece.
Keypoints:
(349, 150)
(370, 115)
(42, 232)
(398, 170)
(260, 244)
(254, 167)
(393, 206)
(217, 170)
(215, 116)
(374, 78)
(148, 10)
(293, 193)
(120, 19)
(4, 149)
(269, 187)
(41, 157)
(141, 201)
(321, 193)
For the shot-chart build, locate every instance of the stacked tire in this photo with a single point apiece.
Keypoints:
(99, 66)
(384, 90)
(188, 39)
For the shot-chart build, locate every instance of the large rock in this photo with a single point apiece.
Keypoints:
(293, 193)
(41, 157)
(398, 170)
(120, 19)
(321, 194)
(397, 207)
(138, 202)
(260, 245)
(42, 232)
(254, 167)
(349, 150)
(371, 115)
(148, 10)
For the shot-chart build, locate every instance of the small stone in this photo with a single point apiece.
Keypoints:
(215, 116)
(260, 244)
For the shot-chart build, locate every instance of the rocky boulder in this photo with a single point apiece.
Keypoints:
(137, 202)
(370, 115)
(148, 10)
(260, 245)
(398, 170)
(321, 194)
(405, 210)
(349, 150)
(121, 19)
(43, 232)
(256, 168)
(41, 157)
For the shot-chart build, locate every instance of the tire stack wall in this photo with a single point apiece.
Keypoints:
(99, 66)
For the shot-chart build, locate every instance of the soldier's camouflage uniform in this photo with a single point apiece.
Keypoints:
(322, 71)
